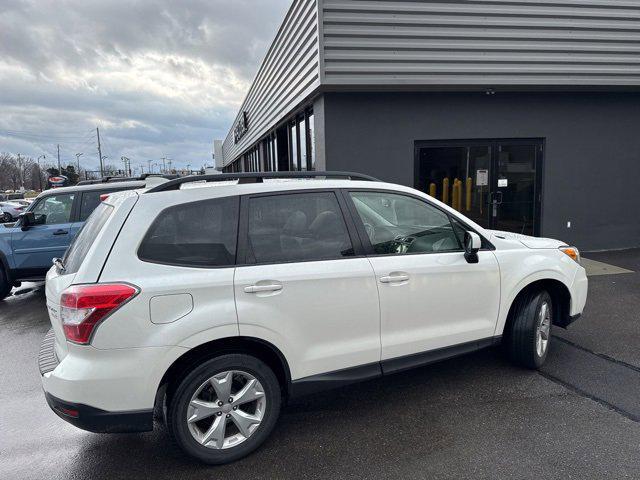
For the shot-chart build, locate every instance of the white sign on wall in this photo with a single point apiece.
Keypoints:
(482, 178)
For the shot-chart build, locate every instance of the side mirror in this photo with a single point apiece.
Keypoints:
(28, 219)
(472, 243)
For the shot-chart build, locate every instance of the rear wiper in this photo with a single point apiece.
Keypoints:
(59, 264)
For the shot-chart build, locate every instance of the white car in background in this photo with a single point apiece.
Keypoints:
(11, 210)
(215, 305)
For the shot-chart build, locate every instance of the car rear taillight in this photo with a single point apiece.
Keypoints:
(18, 208)
(83, 307)
(104, 196)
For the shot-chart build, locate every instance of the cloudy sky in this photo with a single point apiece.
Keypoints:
(160, 78)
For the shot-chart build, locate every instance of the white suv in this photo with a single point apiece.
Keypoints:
(214, 305)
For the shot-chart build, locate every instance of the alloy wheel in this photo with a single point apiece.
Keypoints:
(226, 409)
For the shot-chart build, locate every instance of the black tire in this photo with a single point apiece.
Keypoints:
(5, 285)
(178, 405)
(524, 320)
(6, 217)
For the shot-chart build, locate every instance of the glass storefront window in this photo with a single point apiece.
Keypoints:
(312, 140)
(293, 147)
(297, 150)
(302, 134)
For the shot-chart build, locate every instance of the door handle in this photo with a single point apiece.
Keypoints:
(61, 232)
(397, 278)
(263, 288)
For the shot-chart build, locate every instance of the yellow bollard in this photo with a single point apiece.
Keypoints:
(445, 190)
(454, 194)
(459, 195)
(432, 190)
(469, 188)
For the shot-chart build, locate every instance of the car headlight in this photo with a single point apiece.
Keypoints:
(572, 252)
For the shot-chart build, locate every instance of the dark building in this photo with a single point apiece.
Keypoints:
(524, 115)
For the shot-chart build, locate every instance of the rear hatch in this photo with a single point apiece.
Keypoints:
(85, 257)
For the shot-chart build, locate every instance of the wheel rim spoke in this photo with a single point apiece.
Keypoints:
(216, 432)
(221, 383)
(245, 422)
(199, 410)
(249, 393)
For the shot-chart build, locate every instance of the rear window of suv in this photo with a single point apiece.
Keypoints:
(85, 238)
(198, 234)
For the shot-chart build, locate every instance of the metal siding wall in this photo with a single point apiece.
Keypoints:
(289, 73)
(481, 42)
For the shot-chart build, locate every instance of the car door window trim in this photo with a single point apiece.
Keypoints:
(242, 258)
(368, 247)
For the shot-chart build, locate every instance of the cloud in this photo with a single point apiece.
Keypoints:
(160, 78)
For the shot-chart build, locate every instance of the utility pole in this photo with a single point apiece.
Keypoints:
(100, 153)
(59, 169)
(169, 162)
(40, 170)
(78, 155)
(164, 165)
(149, 166)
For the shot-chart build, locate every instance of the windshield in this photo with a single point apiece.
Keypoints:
(87, 235)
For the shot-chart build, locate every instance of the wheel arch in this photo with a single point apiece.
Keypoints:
(256, 347)
(4, 265)
(560, 296)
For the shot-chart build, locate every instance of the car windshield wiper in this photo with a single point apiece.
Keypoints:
(59, 264)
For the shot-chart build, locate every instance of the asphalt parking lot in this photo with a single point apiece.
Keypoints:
(471, 417)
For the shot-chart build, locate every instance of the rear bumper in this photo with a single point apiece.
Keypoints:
(100, 421)
(103, 383)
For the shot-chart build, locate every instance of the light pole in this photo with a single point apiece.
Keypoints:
(40, 170)
(102, 159)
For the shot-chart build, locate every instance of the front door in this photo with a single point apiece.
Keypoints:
(430, 296)
(301, 285)
(496, 183)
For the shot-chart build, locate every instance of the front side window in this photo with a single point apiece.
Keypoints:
(399, 224)
(199, 234)
(54, 209)
(297, 227)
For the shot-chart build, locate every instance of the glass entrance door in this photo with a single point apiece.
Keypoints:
(496, 183)
(514, 192)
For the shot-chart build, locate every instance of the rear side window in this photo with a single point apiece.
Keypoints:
(297, 227)
(85, 238)
(198, 234)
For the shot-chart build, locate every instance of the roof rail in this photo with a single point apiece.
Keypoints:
(256, 177)
(144, 176)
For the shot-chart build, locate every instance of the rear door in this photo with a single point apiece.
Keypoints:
(34, 247)
(302, 284)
